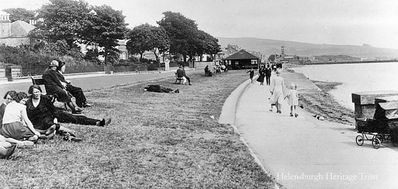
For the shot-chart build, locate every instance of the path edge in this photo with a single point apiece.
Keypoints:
(228, 117)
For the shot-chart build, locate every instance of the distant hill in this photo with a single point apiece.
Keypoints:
(269, 46)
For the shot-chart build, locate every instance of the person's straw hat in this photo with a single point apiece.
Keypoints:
(53, 63)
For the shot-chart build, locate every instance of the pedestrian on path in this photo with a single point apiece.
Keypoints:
(277, 91)
(251, 74)
(261, 72)
(292, 97)
(268, 72)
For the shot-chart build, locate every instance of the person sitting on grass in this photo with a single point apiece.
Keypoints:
(66, 117)
(14, 120)
(40, 110)
(3, 105)
(62, 116)
(207, 71)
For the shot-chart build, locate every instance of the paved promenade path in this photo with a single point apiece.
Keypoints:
(305, 152)
(92, 81)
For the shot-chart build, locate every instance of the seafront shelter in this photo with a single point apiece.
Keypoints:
(242, 60)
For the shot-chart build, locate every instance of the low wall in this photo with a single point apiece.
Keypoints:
(14, 41)
(202, 65)
(16, 71)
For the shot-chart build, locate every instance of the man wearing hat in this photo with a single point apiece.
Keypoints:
(55, 87)
(76, 92)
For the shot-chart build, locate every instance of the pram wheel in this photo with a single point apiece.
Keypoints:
(376, 142)
(359, 140)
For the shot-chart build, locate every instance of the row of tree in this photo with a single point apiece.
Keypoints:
(73, 23)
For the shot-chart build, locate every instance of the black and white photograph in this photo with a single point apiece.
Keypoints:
(278, 94)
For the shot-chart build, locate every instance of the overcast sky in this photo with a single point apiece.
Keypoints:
(345, 22)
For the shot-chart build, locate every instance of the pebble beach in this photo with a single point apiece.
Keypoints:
(315, 99)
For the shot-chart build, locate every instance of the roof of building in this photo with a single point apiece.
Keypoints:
(3, 13)
(20, 29)
(242, 54)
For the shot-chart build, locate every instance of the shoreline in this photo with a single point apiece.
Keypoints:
(322, 103)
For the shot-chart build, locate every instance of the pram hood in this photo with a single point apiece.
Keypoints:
(386, 110)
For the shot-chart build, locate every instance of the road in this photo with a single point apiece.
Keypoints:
(93, 81)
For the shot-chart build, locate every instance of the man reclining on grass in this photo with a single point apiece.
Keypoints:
(160, 89)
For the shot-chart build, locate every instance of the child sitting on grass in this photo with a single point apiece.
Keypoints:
(293, 99)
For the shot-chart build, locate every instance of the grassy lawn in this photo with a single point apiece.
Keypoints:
(155, 140)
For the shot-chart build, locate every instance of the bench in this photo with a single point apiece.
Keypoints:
(38, 80)
(180, 80)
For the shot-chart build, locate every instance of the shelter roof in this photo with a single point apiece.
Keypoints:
(242, 54)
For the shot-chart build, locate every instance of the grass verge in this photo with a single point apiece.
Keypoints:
(155, 140)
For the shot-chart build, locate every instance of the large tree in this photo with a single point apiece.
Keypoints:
(63, 20)
(148, 38)
(105, 28)
(182, 32)
(20, 14)
(203, 43)
(76, 22)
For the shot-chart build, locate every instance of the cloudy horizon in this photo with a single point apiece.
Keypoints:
(354, 22)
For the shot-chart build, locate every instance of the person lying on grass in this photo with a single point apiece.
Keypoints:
(160, 89)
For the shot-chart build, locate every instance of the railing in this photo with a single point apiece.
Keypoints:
(353, 62)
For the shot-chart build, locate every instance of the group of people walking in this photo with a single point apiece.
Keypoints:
(278, 89)
(27, 118)
(264, 72)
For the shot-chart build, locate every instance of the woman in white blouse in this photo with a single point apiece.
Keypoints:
(16, 123)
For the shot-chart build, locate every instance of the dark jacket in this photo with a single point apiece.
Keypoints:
(180, 72)
(52, 81)
(268, 71)
(41, 116)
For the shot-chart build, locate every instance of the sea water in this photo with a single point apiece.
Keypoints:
(354, 78)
